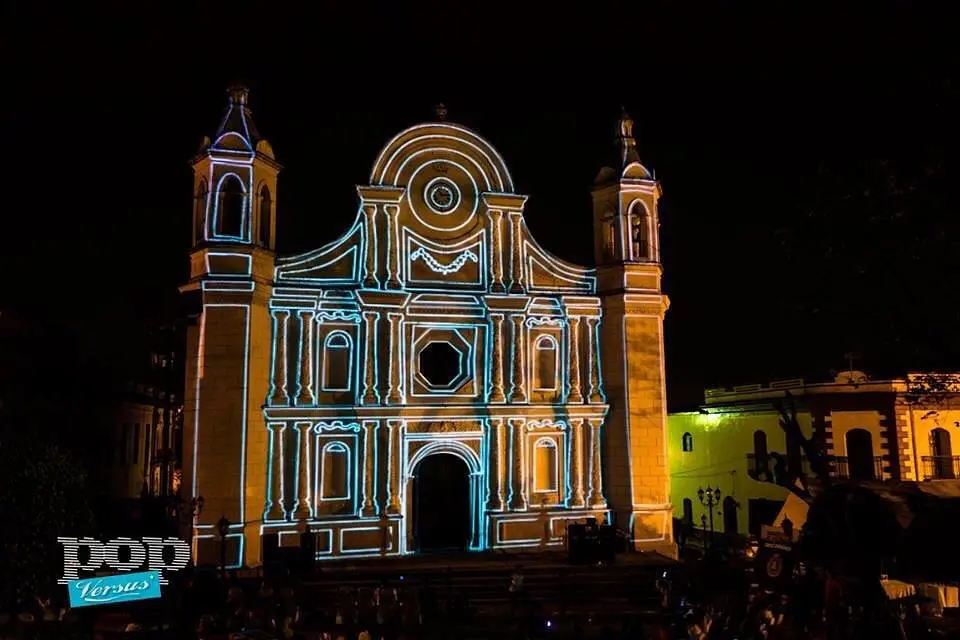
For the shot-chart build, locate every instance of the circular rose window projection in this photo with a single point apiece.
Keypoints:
(442, 195)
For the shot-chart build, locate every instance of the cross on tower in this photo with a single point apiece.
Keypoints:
(850, 358)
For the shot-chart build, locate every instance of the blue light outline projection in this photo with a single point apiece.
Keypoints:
(328, 347)
(335, 447)
(350, 288)
(554, 471)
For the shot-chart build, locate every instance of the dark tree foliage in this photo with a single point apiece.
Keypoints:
(940, 390)
(42, 496)
(871, 253)
(790, 472)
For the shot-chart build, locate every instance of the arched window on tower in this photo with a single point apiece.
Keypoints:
(545, 460)
(610, 239)
(687, 442)
(337, 362)
(640, 232)
(547, 362)
(230, 209)
(200, 213)
(266, 216)
(335, 472)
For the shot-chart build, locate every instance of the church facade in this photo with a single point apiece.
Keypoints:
(432, 378)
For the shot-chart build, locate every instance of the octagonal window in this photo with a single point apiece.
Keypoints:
(440, 363)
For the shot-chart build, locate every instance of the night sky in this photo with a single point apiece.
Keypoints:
(808, 160)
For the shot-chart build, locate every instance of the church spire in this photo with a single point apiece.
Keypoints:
(237, 130)
(626, 144)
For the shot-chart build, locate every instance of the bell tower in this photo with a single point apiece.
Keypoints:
(228, 347)
(627, 250)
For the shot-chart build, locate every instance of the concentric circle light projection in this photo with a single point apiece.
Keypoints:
(442, 196)
(443, 193)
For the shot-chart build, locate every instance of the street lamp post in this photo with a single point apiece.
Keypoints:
(710, 498)
(223, 528)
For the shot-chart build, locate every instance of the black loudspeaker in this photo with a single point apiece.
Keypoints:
(607, 542)
(308, 552)
(576, 543)
(271, 544)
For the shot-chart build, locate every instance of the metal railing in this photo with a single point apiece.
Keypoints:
(845, 468)
(940, 467)
(764, 468)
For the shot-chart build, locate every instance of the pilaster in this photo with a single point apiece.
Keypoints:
(280, 394)
(305, 392)
(370, 246)
(304, 508)
(393, 235)
(496, 366)
(496, 251)
(396, 357)
(518, 488)
(596, 498)
(518, 383)
(369, 507)
(393, 466)
(596, 395)
(274, 506)
(574, 393)
(497, 447)
(371, 321)
(576, 499)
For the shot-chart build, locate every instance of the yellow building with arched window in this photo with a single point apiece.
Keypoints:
(902, 429)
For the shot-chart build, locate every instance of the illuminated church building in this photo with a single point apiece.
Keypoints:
(433, 378)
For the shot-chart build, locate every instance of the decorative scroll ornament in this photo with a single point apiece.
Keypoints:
(534, 425)
(338, 316)
(337, 425)
(436, 267)
(544, 322)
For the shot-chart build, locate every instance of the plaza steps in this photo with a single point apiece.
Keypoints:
(551, 585)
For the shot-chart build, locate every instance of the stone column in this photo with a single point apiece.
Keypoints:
(274, 509)
(392, 210)
(496, 252)
(576, 462)
(518, 489)
(393, 463)
(496, 366)
(370, 258)
(596, 395)
(279, 394)
(517, 284)
(303, 510)
(371, 363)
(495, 498)
(596, 480)
(305, 395)
(518, 384)
(369, 507)
(575, 394)
(393, 393)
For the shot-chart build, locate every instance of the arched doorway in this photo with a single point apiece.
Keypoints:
(730, 525)
(441, 503)
(860, 455)
(942, 450)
